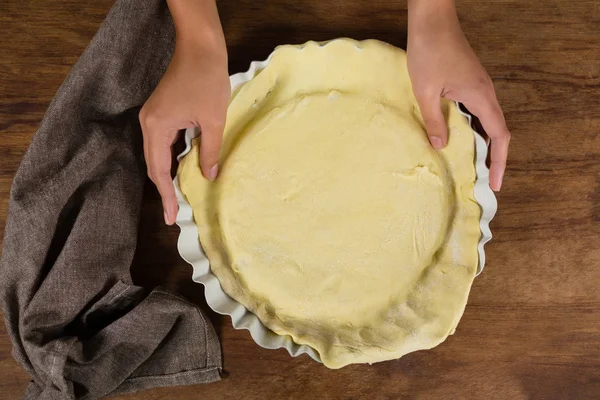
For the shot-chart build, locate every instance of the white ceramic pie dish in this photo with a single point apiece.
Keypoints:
(191, 251)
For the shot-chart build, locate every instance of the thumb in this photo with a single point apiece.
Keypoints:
(434, 121)
(211, 137)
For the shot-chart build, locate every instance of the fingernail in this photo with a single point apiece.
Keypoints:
(170, 213)
(498, 185)
(212, 174)
(436, 142)
(495, 182)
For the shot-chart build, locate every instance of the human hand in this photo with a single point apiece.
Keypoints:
(194, 92)
(442, 64)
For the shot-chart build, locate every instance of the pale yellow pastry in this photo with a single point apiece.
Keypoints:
(333, 219)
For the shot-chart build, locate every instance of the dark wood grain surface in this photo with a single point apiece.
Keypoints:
(531, 329)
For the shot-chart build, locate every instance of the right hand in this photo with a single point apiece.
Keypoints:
(194, 92)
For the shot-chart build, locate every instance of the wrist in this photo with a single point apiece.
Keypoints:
(206, 40)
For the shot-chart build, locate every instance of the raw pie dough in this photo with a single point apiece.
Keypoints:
(333, 219)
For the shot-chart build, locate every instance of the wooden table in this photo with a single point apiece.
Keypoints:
(531, 329)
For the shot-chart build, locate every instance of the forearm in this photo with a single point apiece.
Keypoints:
(197, 23)
(427, 16)
(425, 12)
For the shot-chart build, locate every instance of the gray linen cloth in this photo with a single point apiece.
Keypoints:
(78, 325)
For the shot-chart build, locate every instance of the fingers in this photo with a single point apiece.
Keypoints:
(210, 145)
(433, 118)
(159, 171)
(491, 118)
(157, 151)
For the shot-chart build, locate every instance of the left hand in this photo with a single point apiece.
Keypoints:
(194, 92)
(442, 64)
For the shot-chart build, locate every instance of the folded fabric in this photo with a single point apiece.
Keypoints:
(78, 325)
